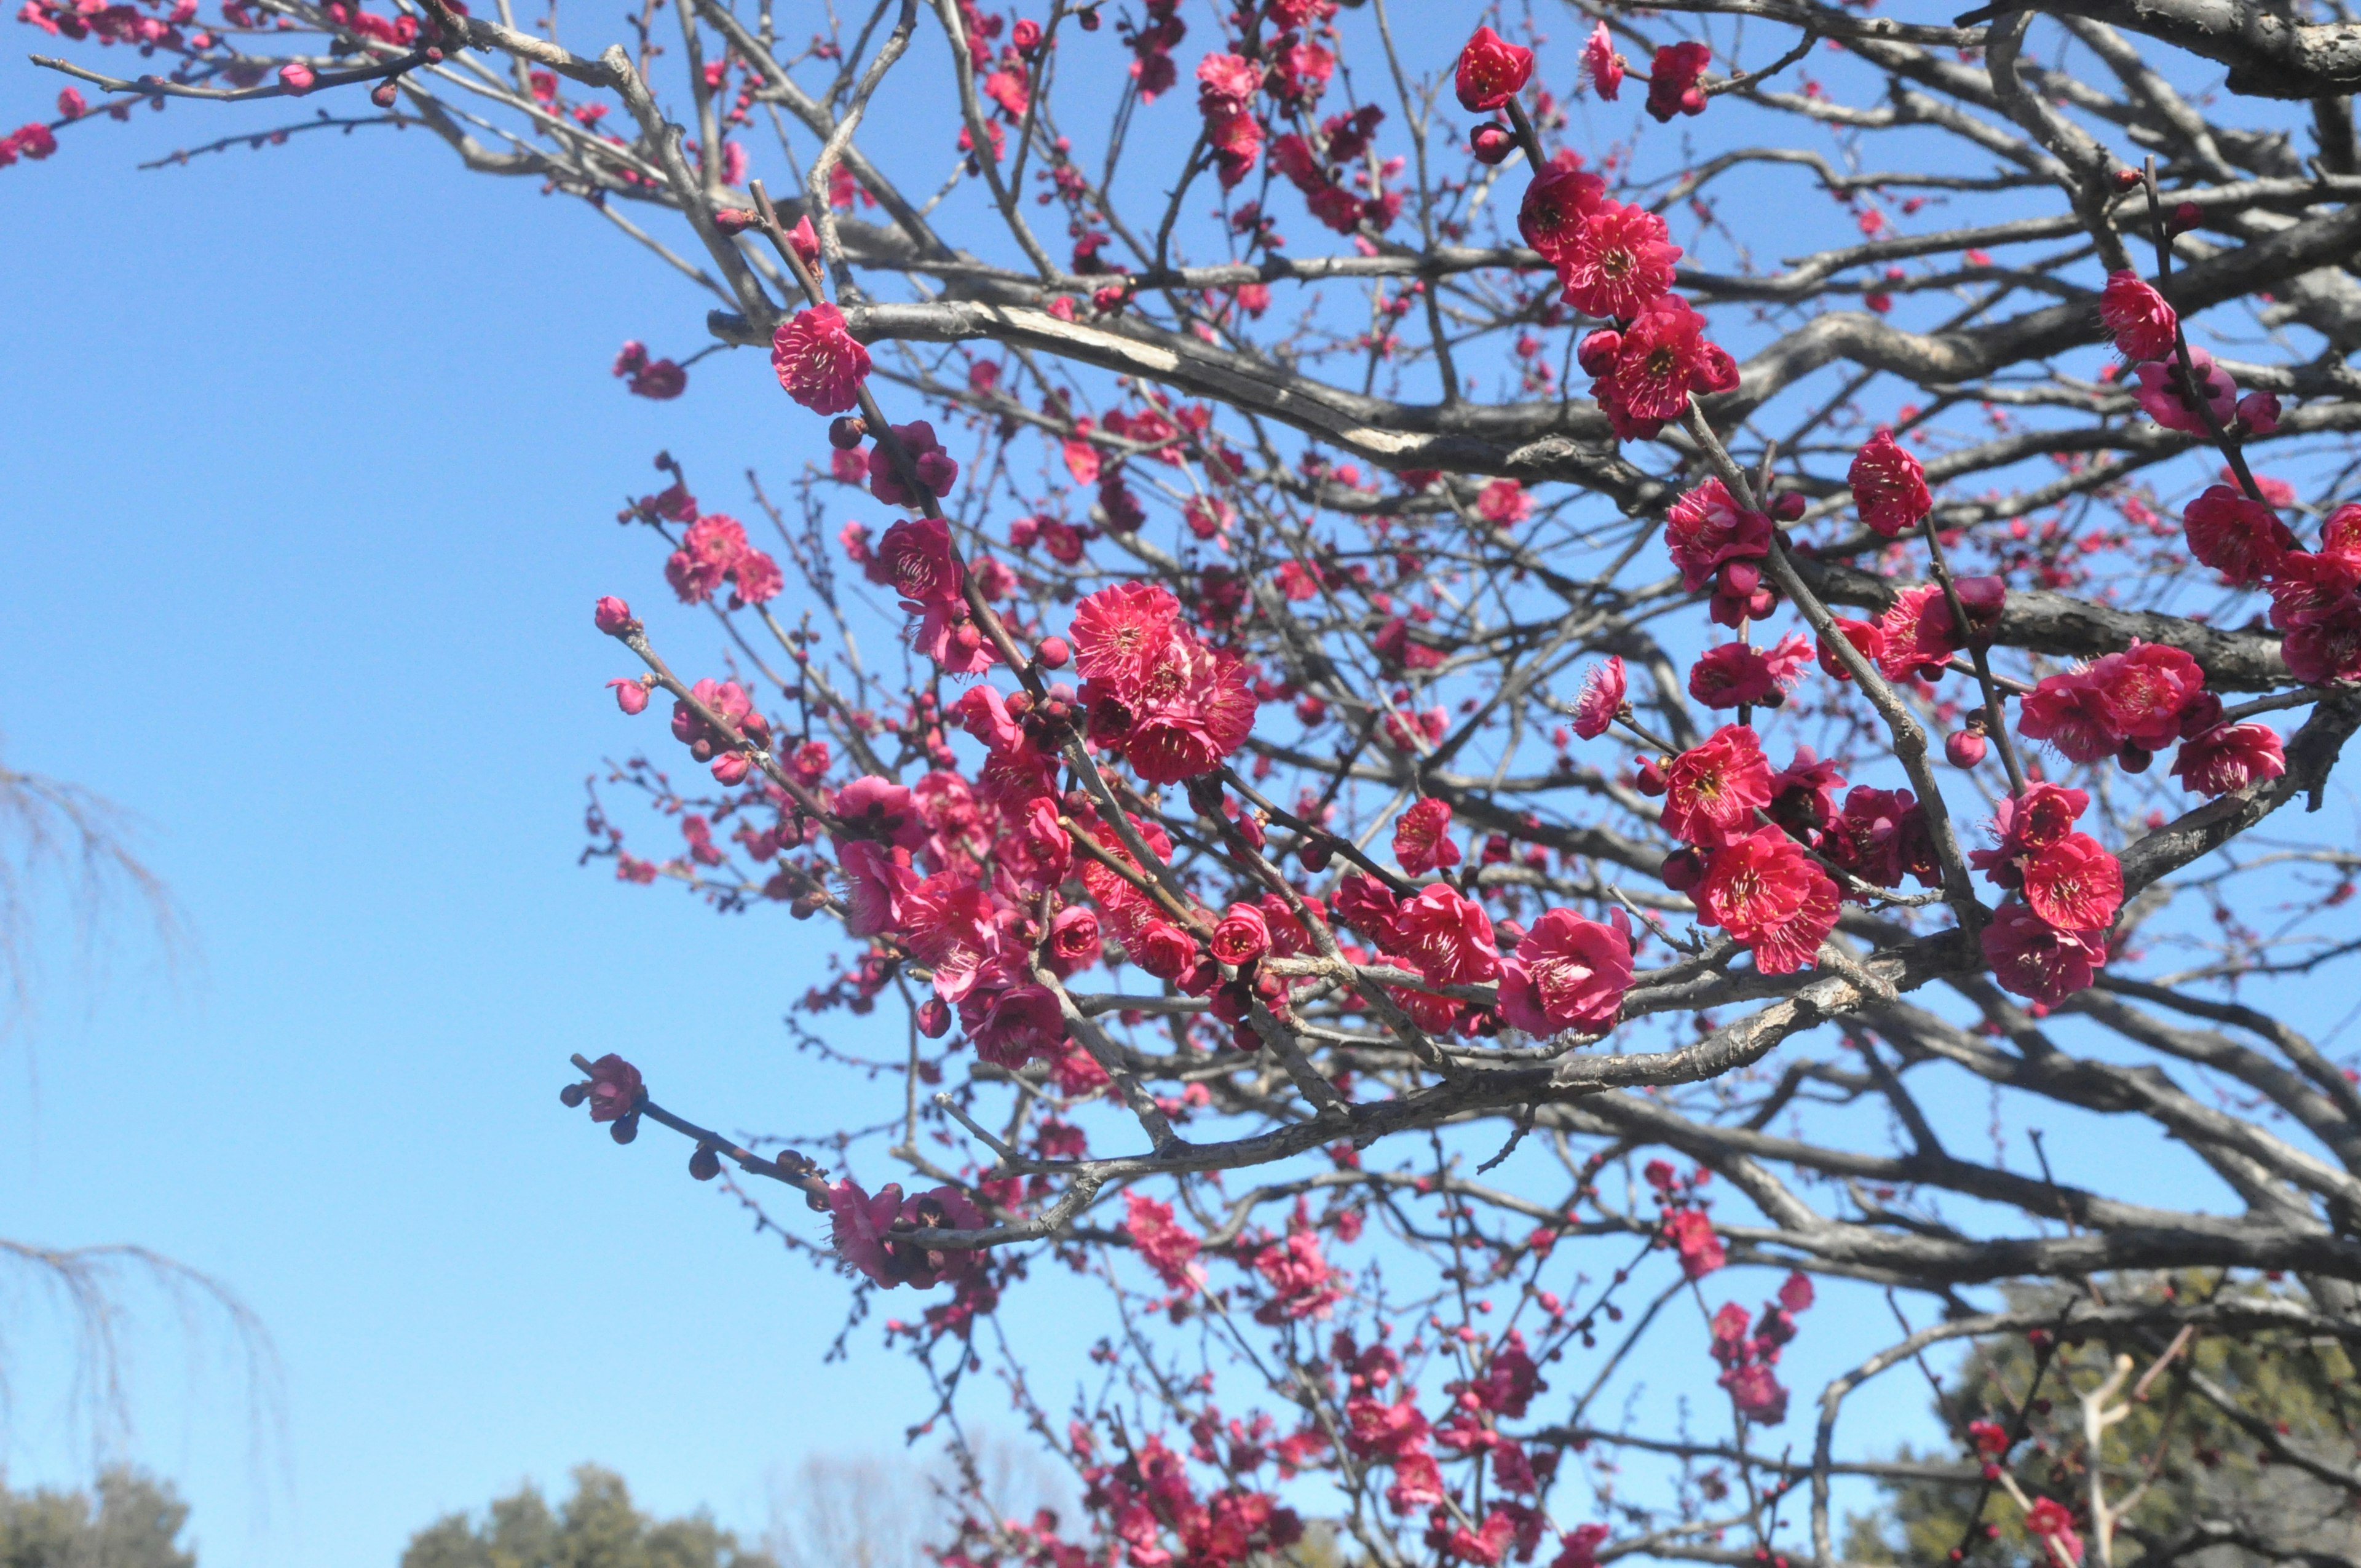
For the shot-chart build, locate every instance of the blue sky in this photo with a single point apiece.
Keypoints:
(312, 464)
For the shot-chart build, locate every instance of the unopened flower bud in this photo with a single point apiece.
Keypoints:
(624, 1129)
(1026, 36)
(613, 616)
(2259, 412)
(731, 768)
(734, 220)
(846, 432)
(297, 78)
(383, 94)
(1052, 652)
(1597, 352)
(1088, 18)
(572, 1095)
(705, 1165)
(1760, 603)
(1491, 143)
(1244, 1036)
(1314, 854)
(2134, 759)
(1789, 506)
(934, 1018)
(1650, 781)
(630, 696)
(1740, 577)
(2128, 179)
(1965, 748)
(1683, 870)
(2185, 216)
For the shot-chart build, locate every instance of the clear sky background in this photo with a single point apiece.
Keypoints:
(310, 469)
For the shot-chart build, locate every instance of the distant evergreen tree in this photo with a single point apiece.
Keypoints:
(595, 1528)
(133, 1521)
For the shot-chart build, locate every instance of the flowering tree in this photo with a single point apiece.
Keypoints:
(1452, 777)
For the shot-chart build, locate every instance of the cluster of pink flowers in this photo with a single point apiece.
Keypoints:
(1746, 1356)
(2201, 399)
(714, 551)
(2053, 940)
(1756, 882)
(645, 378)
(2315, 594)
(1150, 1499)
(885, 1236)
(1174, 705)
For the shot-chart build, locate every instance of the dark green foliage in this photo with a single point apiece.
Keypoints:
(595, 1528)
(133, 1521)
(2187, 1462)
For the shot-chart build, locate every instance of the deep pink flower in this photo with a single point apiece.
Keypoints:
(1423, 840)
(2229, 757)
(1447, 938)
(882, 1236)
(2048, 1519)
(1012, 1023)
(630, 695)
(1581, 1547)
(2044, 815)
(1691, 1234)
(1601, 65)
(914, 559)
(1868, 638)
(1880, 837)
(1676, 84)
(754, 578)
(295, 76)
(877, 880)
(2340, 536)
(1663, 357)
(819, 362)
(1074, 943)
(611, 615)
(1706, 528)
(1037, 851)
(616, 1089)
(2034, 959)
(2144, 690)
(2070, 712)
(1618, 262)
(1765, 892)
(2074, 883)
(935, 469)
(1731, 674)
(2237, 537)
(708, 552)
(1569, 972)
(2167, 397)
(1803, 793)
(1302, 1285)
(1193, 708)
(1756, 1392)
(1491, 71)
(1168, 1248)
(952, 924)
(2137, 317)
(1163, 949)
(878, 808)
(1120, 633)
(1555, 204)
(1602, 696)
(1889, 485)
(1503, 503)
(1712, 790)
(1242, 937)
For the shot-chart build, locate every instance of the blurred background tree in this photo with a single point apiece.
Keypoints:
(127, 1520)
(598, 1527)
(2233, 1442)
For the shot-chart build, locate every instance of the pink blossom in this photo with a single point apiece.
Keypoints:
(1602, 697)
(1692, 1236)
(819, 362)
(2034, 959)
(877, 880)
(1503, 503)
(2167, 397)
(1168, 1248)
(1712, 790)
(1491, 70)
(1569, 972)
(917, 561)
(1676, 80)
(2229, 757)
(1618, 262)
(1601, 65)
(1446, 937)
(1010, 1024)
(616, 1089)
(934, 468)
(2238, 537)
(882, 1236)
(1423, 840)
(2074, 883)
(2136, 316)
(1889, 485)
(1765, 892)
(1241, 937)
(1706, 530)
